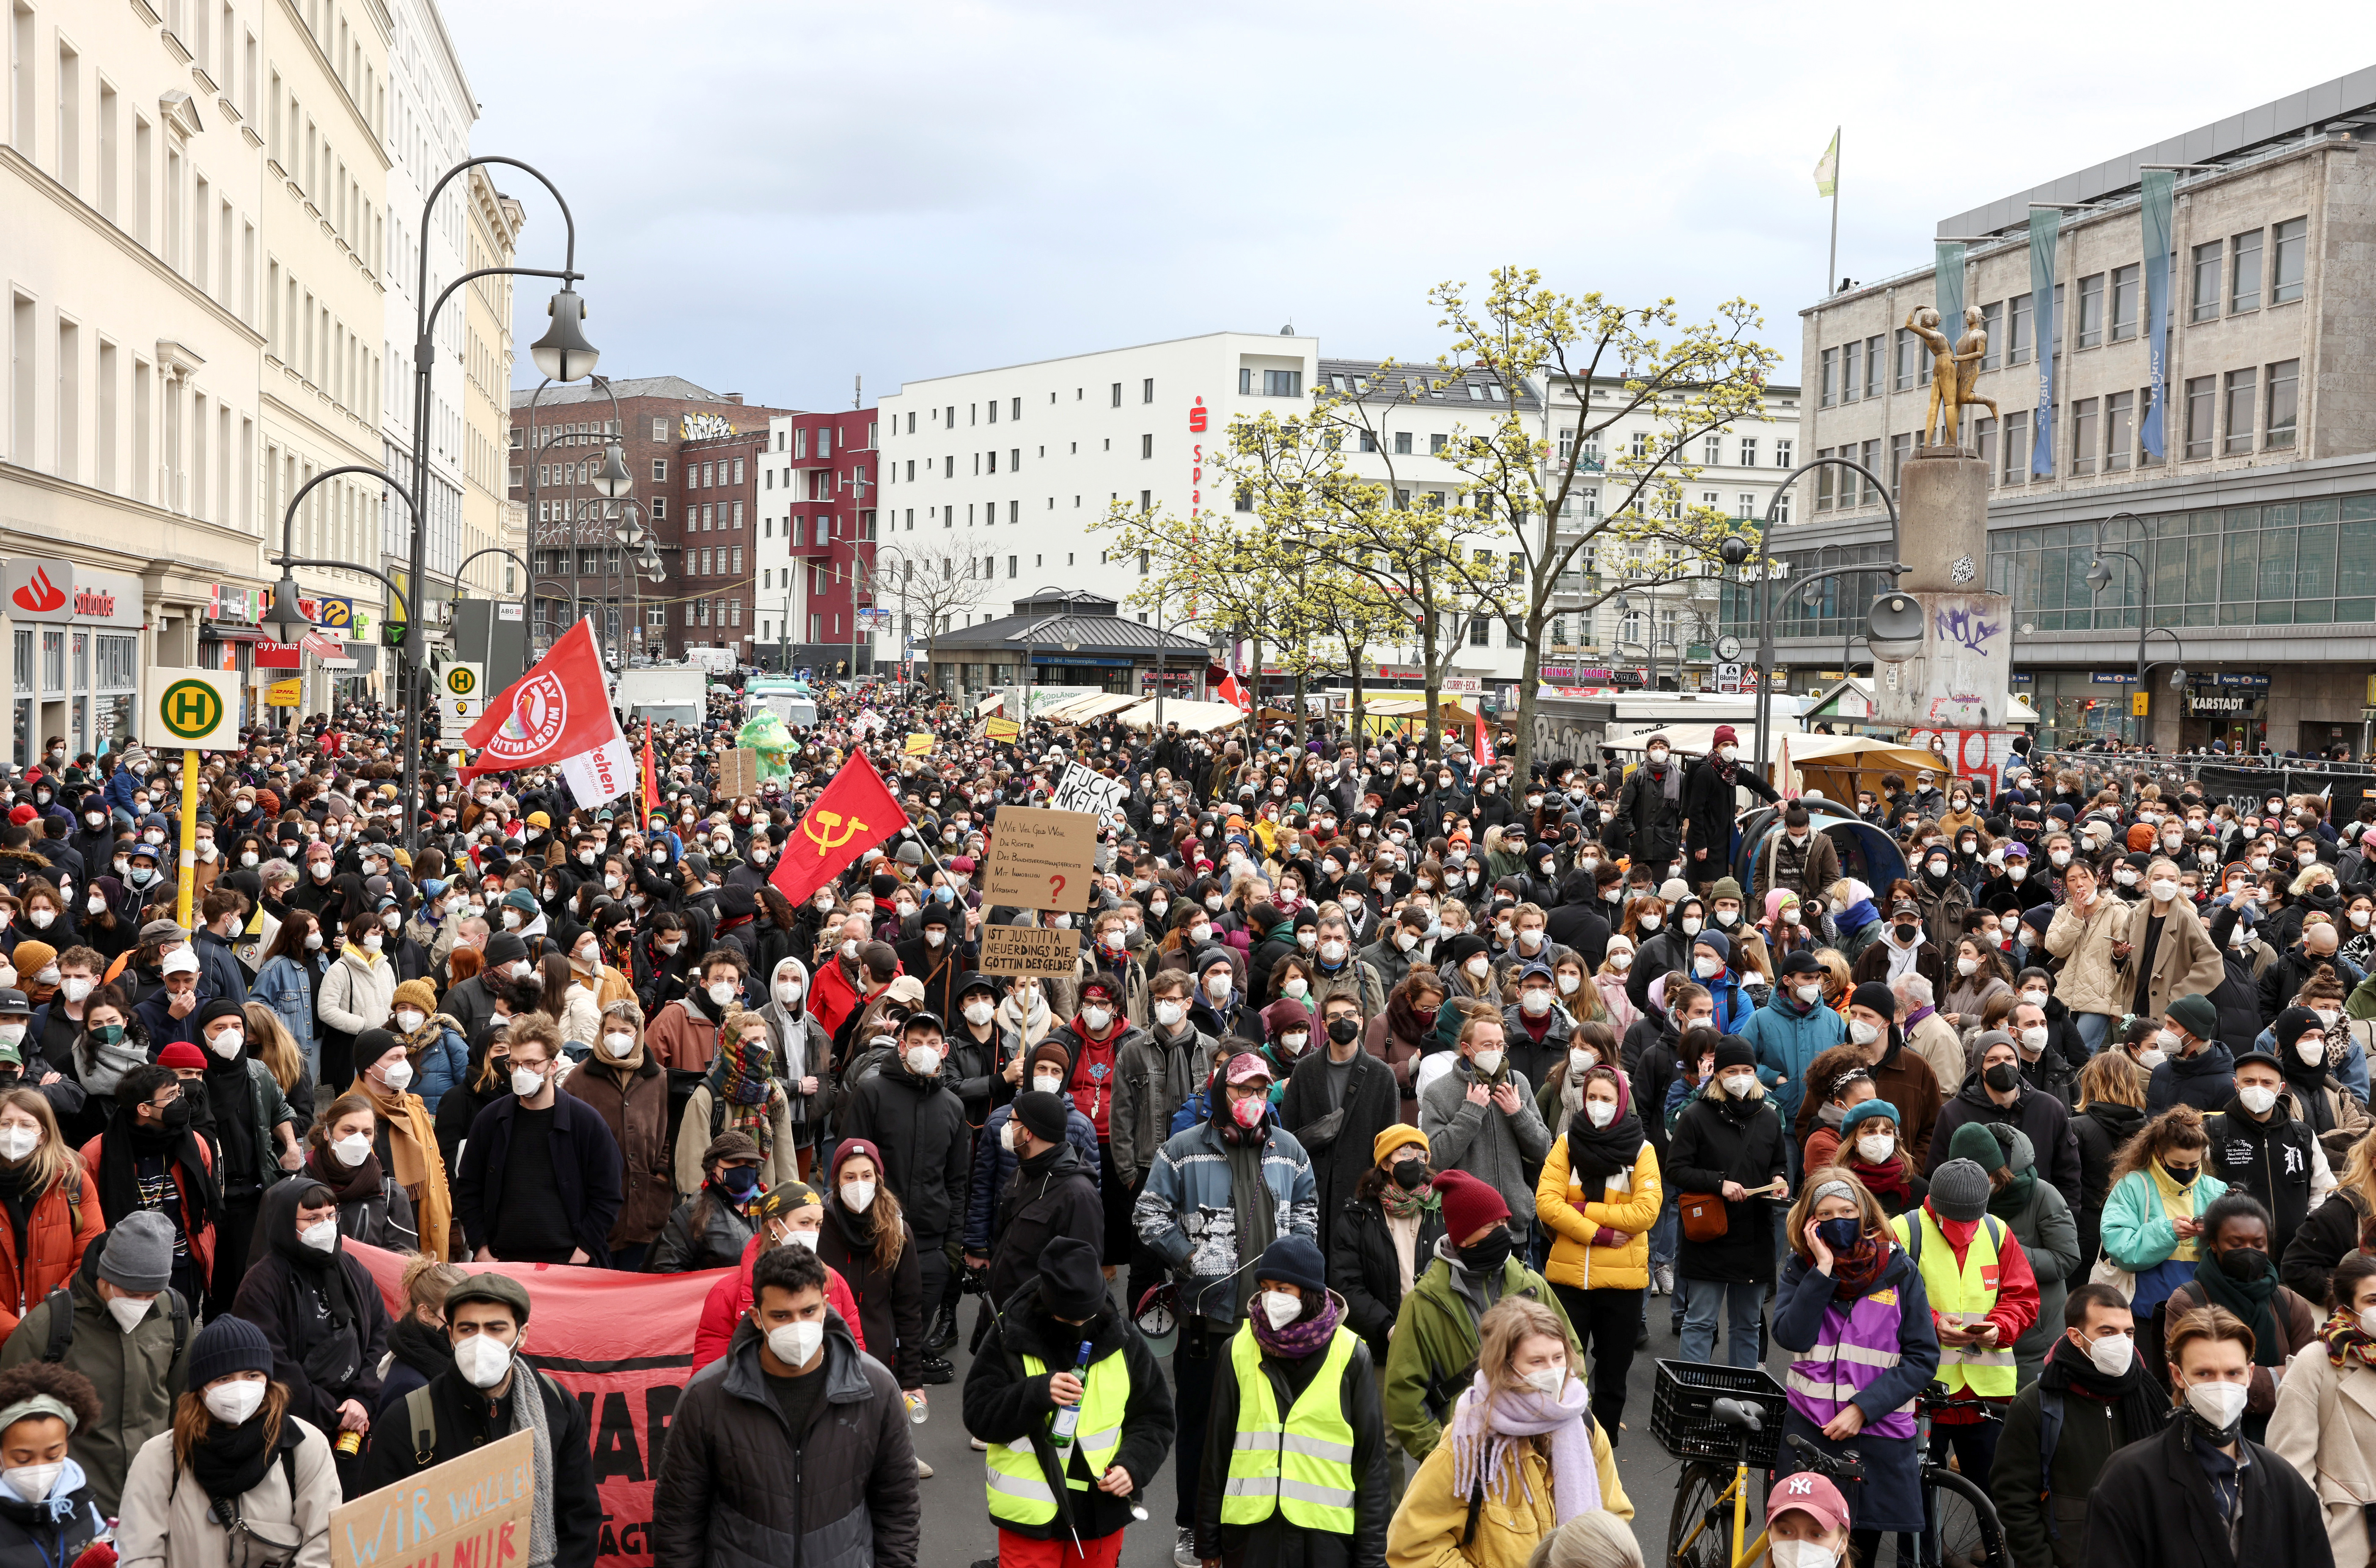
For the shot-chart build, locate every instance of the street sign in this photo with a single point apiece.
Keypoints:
(456, 715)
(464, 678)
(281, 694)
(2141, 704)
(190, 710)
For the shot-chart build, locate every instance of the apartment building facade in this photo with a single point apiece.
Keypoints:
(818, 594)
(2247, 544)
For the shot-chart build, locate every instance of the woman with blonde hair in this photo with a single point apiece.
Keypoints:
(1521, 1454)
(418, 1349)
(1599, 1196)
(1588, 1541)
(42, 1180)
(277, 1048)
(2325, 1425)
(2111, 1110)
(1851, 1308)
(1616, 968)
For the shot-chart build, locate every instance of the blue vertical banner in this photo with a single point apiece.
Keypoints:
(2158, 184)
(1949, 289)
(2045, 224)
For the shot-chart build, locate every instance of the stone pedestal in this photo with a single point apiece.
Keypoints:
(1961, 677)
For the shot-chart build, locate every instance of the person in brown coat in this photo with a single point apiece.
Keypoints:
(1797, 859)
(1903, 934)
(629, 1091)
(1898, 1076)
(1396, 1035)
(2169, 953)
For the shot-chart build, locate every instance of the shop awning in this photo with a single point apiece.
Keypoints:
(1194, 717)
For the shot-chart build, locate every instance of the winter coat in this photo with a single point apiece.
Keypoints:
(440, 1065)
(701, 1123)
(1628, 1202)
(890, 1301)
(1370, 1108)
(728, 1305)
(357, 993)
(2087, 977)
(1872, 963)
(1153, 1078)
(1037, 1206)
(59, 1225)
(2298, 1325)
(723, 1232)
(585, 1173)
(1710, 802)
(684, 1037)
(2091, 1432)
(2325, 1428)
(634, 1104)
(1806, 871)
(2050, 1239)
(2099, 1131)
(2136, 1233)
(1183, 1215)
(1494, 1145)
(283, 1301)
(920, 1125)
(2153, 1508)
(1647, 827)
(2278, 1161)
(1432, 1354)
(2185, 962)
(2205, 1080)
(2035, 1113)
(2332, 1230)
(286, 985)
(1432, 1518)
(994, 1164)
(1004, 1403)
(459, 1412)
(1710, 1147)
(416, 1353)
(1802, 1299)
(735, 1492)
(1401, 1057)
(136, 1374)
(168, 1522)
(1366, 1270)
(1787, 1037)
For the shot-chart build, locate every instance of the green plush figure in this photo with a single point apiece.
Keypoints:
(765, 733)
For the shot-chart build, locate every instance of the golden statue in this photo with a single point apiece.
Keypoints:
(1955, 367)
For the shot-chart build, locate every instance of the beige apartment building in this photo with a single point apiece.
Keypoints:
(2251, 537)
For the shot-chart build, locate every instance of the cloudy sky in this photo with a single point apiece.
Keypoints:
(774, 196)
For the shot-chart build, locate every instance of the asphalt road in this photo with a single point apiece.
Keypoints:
(957, 1530)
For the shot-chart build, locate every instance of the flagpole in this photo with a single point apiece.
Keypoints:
(1832, 276)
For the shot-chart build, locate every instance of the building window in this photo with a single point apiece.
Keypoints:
(1849, 357)
(2244, 273)
(659, 507)
(1402, 443)
(1873, 352)
(2204, 297)
(1901, 448)
(1782, 450)
(2021, 344)
(1117, 393)
(2120, 431)
(2201, 414)
(1984, 442)
(659, 429)
(1245, 498)
(2289, 243)
(1991, 320)
(1480, 633)
(1911, 361)
(2284, 397)
(1831, 382)
(2016, 447)
(1824, 476)
(2091, 309)
(1435, 443)
(2241, 383)
(1145, 446)
(2083, 437)
(2127, 295)
(1749, 451)
(1147, 390)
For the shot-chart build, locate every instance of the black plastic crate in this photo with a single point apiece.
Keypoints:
(1680, 1420)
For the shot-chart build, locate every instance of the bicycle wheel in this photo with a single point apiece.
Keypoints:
(1964, 1521)
(1700, 1501)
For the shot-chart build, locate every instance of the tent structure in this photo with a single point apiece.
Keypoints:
(1194, 717)
(1838, 766)
(1408, 715)
(1084, 710)
(1850, 702)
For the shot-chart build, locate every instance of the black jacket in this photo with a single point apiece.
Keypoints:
(1372, 1105)
(1712, 1144)
(1361, 1261)
(2272, 1161)
(1647, 826)
(321, 1366)
(1049, 1194)
(468, 1421)
(1275, 1543)
(2153, 1508)
(2332, 1230)
(2049, 1529)
(586, 1172)
(920, 1125)
(717, 1242)
(1710, 801)
(1577, 925)
(2043, 1118)
(890, 1300)
(735, 1492)
(1004, 1403)
(2099, 1131)
(2205, 1080)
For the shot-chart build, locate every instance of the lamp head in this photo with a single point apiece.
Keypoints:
(284, 612)
(2099, 577)
(613, 479)
(2178, 677)
(562, 353)
(1734, 550)
(1893, 627)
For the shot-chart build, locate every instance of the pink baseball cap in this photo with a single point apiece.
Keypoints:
(1246, 1067)
(1812, 1494)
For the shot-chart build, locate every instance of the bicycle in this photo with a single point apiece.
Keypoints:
(1694, 1531)
(1961, 1528)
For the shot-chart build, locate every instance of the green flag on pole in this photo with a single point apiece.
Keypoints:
(1827, 171)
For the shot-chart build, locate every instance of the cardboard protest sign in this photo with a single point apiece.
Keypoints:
(1029, 950)
(1082, 789)
(466, 1513)
(738, 772)
(1040, 859)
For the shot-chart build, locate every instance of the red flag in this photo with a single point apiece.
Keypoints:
(1484, 748)
(856, 812)
(651, 791)
(559, 708)
(1231, 692)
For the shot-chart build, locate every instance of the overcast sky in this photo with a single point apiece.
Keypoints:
(773, 196)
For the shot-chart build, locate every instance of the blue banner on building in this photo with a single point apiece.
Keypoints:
(2045, 223)
(2158, 184)
(1949, 282)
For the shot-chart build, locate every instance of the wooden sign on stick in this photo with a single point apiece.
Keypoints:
(1029, 950)
(1041, 859)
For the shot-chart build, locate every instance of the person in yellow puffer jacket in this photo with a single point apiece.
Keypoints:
(1598, 1195)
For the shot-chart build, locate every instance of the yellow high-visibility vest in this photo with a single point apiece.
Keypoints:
(1019, 1494)
(1302, 1467)
(1986, 1370)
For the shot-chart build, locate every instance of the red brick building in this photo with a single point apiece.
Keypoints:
(816, 544)
(676, 438)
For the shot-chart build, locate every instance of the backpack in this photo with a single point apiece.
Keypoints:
(62, 1333)
(421, 1417)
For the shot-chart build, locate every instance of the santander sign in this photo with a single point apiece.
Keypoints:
(38, 595)
(53, 590)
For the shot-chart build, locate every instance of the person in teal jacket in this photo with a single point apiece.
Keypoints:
(1712, 966)
(2153, 1216)
(1789, 1033)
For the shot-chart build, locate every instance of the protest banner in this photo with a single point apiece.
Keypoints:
(466, 1513)
(738, 772)
(621, 1345)
(1000, 729)
(1083, 790)
(1029, 950)
(1041, 859)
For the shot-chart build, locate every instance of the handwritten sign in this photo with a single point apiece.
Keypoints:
(738, 772)
(1001, 730)
(1084, 790)
(1029, 950)
(1040, 859)
(466, 1513)
(918, 744)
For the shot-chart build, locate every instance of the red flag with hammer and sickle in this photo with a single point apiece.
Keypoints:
(856, 812)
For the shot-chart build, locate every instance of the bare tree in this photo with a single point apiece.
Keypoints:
(937, 582)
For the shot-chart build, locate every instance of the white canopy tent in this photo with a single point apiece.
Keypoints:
(1194, 717)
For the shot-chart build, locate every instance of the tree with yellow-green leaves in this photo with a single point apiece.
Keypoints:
(1689, 380)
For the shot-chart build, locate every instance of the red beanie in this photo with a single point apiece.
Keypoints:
(182, 1053)
(1469, 1205)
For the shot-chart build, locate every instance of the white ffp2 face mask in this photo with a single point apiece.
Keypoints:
(2218, 1405)
(795, 1343)
(1802, 1554)
(1281, 1308)
(2114, 1355)
(130, 1312)
(233, 1403)
(482, 1361)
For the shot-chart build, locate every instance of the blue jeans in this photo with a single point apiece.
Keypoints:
(1664, 1238)
(1741, 1306)
(2094, 1029)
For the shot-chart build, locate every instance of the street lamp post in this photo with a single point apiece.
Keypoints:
(2099, 577)
(1030, 651)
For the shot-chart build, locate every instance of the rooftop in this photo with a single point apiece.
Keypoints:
(675, 388)
(1406, 380)
(1088, 620)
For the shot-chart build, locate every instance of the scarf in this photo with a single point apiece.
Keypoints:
(2345, 1338)
(2008, 1201)
(528, 1415)
(1399, 1205)
(105, 1065)
(1669, 779)
(231, 1461)
(1487, 1429)
(742, 1078)
(2249, 1299)
(354, 1187)
(1404, 1022)
(1251, 1203)
(413, 1151)
(431, 1029)
(1890, 1177)
(1302, 1337)
(1857, 1270)
(1018, 1033)
(2140, 1399)
(2177, 1203)
(1596, 1154)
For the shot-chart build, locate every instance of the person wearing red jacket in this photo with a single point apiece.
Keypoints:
(791, 1214)
(841, 980)
(1983, 1297)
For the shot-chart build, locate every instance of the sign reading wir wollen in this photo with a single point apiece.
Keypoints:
(1040, 859)
(1029, 950)
(466, 1513)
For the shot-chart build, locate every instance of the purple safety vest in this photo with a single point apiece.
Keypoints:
(1858, 1343)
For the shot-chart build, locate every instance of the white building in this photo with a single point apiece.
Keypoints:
(135, 208)
(1022, 459)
